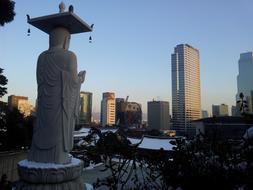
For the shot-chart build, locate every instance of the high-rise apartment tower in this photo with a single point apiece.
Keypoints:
(108, 109)
(186, 99)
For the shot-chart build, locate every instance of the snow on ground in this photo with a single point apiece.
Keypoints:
(152, 143)
(84, 130)
(134, 141)
(92, 166)
(156, 143)
(80, 135)
(88, 186)
(112, 130)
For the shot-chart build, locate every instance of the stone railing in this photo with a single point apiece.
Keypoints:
(8, 163)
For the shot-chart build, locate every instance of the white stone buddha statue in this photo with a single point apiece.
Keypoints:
(58, 100)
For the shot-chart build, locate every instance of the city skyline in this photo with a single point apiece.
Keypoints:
(131, 47)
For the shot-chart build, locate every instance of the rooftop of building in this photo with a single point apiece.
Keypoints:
(188, 45)
(157, 101)
(85, 92)
(19, 97)
(246, 55)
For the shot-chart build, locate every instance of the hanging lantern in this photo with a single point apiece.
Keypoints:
(28, 32)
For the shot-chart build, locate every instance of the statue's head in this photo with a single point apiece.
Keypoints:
(59, 37)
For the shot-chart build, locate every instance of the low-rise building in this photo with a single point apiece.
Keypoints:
(128, 114)
(226, 127)
(21, 103)
(205, 114)
(220, 110)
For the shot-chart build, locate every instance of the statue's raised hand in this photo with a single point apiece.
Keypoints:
(81, 75)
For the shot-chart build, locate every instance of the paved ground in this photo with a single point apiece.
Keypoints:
(8, 163)
(91, 175)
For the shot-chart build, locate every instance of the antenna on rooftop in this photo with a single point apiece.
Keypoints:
(127, 98)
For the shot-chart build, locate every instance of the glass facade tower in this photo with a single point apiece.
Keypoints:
(85, 111)
(245, 78)
(158, 115)
(186, 99)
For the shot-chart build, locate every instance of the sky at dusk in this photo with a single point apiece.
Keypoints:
(132, 45)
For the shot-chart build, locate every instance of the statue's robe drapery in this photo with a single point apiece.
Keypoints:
(58, 104)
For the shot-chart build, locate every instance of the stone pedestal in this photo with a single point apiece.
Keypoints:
(48, 176)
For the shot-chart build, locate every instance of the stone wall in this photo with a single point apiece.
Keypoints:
(8, 163)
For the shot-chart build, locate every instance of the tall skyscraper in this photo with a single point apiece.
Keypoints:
(186, 100)
(220, 110)
(245, 78)
(158, 115)
(108, 109)
(85, 111)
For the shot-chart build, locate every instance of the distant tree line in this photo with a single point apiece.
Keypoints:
(15, 129)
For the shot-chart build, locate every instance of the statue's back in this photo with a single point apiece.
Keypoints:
(57, 90)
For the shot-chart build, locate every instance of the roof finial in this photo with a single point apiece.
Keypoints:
(71, 8)
(62, 7)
